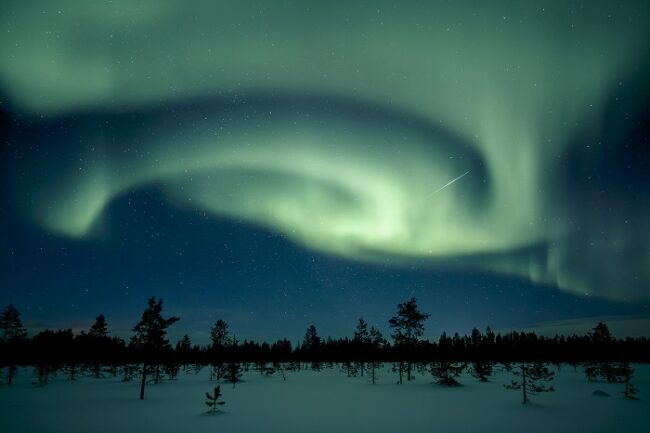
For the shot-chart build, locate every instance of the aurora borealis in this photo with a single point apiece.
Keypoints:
(331, 127)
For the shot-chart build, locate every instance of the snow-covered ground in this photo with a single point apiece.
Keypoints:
(325, 401)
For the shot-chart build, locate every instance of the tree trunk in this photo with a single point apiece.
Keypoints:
(523, 386)
(10, 374)
(144, 381)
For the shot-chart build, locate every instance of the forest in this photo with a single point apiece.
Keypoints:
(151, 358)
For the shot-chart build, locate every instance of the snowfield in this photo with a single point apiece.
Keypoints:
(325, 401)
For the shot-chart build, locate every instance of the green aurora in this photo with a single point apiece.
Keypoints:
(338, 124)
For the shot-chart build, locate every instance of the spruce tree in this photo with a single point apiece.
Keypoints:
(150, 339)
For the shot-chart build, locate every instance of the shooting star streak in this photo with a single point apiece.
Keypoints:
(450, 182)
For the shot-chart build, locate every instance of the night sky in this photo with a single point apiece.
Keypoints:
(278, 164)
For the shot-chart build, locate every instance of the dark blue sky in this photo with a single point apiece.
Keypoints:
(266, 287)
(278, 167)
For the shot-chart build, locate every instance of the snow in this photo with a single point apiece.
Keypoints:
(325, 401)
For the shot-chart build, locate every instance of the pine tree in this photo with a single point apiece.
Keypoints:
(377, 341)
(278, 366)
(602, 341)
(11, 326)
(73, 370)
(233, 369)
(617, 372)
(219, 335)
(99, 328)
(185, 344)
(361, 342)
(98, 335)
(311, 345)
(408, 325)
(213, 400)
(150, 339)
(12, 333)
(481, 370)
(627, 373)
(221, 339)
(446, 372)
(350, 368)
(234, 373)
(42, 372)
(532, 379)
(311, 340)
(601, 334)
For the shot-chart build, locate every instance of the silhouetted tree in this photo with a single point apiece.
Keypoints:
(11, 326)
(73, 370)
(361, 342)
(233, 369)
(627, 373)
(532, 379)
(183, 352)
(408, 326)
(171, 369)
(278, 366)
(184, 344)
(350, 368)
(219, 334)
(311, 345)
(42, 372)
(221, 339)
(311, 340)
(377, 342)
(481, 370)
(213, 400)
(613, 372)
(602, 343)
(601, 334)
(99, 329)
(128, 371)
(150, 338)
(13, 333)
(446, 372)
(96, 340)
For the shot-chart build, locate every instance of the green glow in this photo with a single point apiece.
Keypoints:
(516, 81)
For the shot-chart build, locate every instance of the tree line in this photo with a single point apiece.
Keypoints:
(149, 355)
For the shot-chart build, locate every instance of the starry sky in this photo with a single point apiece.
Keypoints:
(277, 164)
